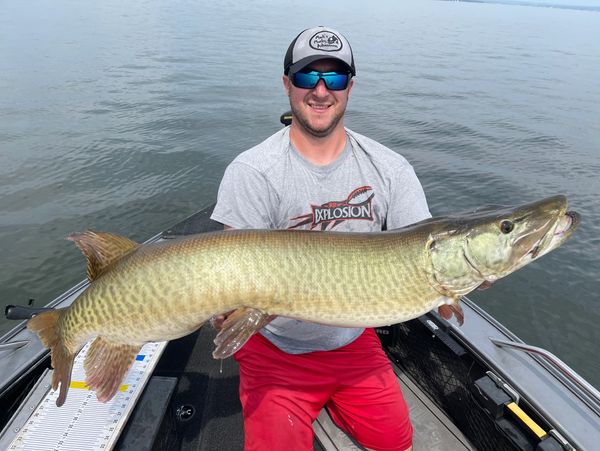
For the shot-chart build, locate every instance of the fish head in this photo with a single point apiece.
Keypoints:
(489, 244)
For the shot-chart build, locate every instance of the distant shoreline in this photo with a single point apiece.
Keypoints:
(526, 3)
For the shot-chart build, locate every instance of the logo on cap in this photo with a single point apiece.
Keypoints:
(326, 41)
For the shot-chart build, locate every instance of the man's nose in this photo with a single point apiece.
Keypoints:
(321, 90)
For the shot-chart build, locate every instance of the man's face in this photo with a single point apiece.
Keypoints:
(318, 110)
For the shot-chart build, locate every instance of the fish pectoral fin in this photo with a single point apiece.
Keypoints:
(485, 285)
(106, 364)
(237, 330)
(446, 311)
(101, 249)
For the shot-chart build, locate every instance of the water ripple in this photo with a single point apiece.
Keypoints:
(122, 116)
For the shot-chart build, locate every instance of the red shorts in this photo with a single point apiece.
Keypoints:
(282, 394)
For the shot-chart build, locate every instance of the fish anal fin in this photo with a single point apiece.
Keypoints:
(101, 249)
(237, 330)
(106, 364)
(45, 325)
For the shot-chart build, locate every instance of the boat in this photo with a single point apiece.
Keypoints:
(474, 387)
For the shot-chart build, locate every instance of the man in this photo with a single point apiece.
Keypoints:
(316, 174)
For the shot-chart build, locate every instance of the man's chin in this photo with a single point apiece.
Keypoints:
(320, 127)
(319, 130)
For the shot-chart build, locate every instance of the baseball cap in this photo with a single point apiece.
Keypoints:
(316, 44)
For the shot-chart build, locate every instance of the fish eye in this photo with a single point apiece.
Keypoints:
(506, 226)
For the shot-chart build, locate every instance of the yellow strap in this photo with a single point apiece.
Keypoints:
(537, 430)
(83, 385)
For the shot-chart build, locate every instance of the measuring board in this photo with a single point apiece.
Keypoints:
(84, 423)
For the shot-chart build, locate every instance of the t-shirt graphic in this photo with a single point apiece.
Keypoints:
(357, 206)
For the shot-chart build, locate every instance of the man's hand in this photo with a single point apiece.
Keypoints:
(218, 320)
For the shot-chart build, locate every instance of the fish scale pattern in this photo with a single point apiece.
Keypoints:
(168, 289)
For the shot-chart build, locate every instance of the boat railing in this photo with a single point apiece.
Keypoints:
(565, 370)
(11, 346)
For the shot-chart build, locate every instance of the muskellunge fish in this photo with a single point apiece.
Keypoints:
(161, 291)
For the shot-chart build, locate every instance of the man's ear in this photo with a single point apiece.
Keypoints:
(286, 85)
(350, 84)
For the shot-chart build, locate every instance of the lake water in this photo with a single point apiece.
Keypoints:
(121, 116)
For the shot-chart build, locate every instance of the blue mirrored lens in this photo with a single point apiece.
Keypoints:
(308, 80)
(305, 81)
(335, 81)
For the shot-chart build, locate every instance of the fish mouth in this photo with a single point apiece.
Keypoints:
(570, 222)
(566, 225)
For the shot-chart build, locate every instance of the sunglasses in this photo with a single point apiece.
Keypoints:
(334, 81)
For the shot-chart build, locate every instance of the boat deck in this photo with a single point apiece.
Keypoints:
(211, 388)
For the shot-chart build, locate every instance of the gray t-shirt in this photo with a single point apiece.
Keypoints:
(271, 186)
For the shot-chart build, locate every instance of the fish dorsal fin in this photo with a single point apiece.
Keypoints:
(101, 249)
(237, 330)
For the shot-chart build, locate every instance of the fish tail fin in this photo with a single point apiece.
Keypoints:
(106, 364)
(45, 325)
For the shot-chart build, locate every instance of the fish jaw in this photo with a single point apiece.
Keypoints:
(564, 228)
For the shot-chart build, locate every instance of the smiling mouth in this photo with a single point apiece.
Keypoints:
(318, 107)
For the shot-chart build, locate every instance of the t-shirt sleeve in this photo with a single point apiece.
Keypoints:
(407, 201)
(244, 198)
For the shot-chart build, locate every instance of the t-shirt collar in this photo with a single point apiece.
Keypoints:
(327, 168)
